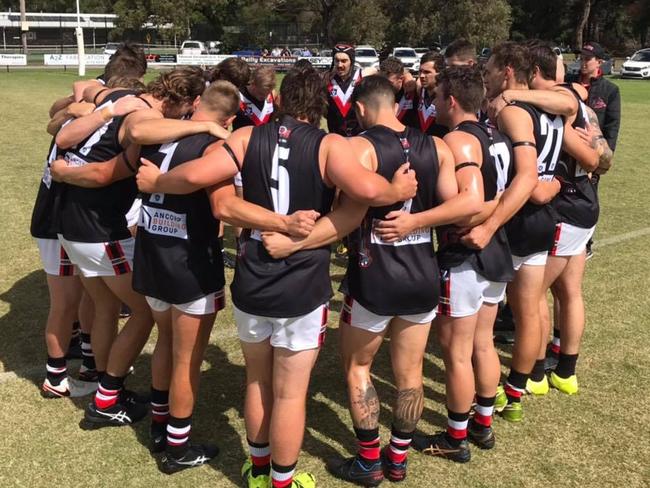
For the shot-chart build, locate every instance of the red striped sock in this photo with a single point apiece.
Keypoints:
(484, 410)
(282, 476)
(399, 446)
(457, 426)
(368, 444)
(260, 457)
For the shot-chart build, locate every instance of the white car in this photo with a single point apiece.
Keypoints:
(366, 57)
(111, 47)
(638, 66)
(191, 48)
(408, 57)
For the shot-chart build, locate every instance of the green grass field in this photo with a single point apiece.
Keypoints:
(597, 438)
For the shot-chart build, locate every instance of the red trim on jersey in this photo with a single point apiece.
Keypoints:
(256, 115)
(426, 113)
(404, 105)
(343, 100)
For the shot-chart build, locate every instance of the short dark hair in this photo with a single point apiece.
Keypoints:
(234, 69)
(543, 57)
(303, 95)
(128, 61)
(391, 66)
(465, 84)
(373, 91)
(180, 85)
(436, 58)
(516, 56)
(303, 65)
(461, 48)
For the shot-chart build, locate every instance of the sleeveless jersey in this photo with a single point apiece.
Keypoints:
(398, 278)
(577, 203)
(494, 262)
(43, 223)
(532, 228)
(177, 254)
(424, 116)
(252, 111)
(341, 118)
(404, 106)
(97, 214)
(281, 172)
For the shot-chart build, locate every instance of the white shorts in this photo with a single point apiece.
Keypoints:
(570, 240)
(463, 291)
(206, 305)
(54, 258)
(133, 215)
(356, 315)
(535, 259)
(101, 258)
(295, 333)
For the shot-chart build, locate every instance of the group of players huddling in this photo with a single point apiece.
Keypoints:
(496, 159)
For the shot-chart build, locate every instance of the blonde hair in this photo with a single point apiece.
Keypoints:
(264, 78)
(221, 97)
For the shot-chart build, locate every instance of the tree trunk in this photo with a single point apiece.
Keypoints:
(582, 23)
(327, 11)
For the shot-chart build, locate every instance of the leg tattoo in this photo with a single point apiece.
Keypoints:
(408, 409)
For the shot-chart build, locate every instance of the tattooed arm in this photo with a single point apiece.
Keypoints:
(599, 143)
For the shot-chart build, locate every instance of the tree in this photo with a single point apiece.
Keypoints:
(582, 21)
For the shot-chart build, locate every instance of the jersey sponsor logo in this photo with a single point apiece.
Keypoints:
(47, 174)
(343, 98)
(418, 236)
(257, 116)
(426, 113)
(163, 222)
(73, 160)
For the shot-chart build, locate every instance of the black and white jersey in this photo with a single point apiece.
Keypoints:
(424, 115)
(177, 254)
(494, 262)
(97, 214)
(532, 228)
(253, 111)
(281, 172)
(405, 106)
(341, 118)
(43, 223)
(402, 277)
(577, 203)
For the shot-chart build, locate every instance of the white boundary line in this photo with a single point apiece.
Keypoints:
(36, 372)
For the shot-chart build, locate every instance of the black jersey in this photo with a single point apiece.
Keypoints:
(494, 262)
(532, 228)
(577, 203)
(424, 117)
(341, 118)
(405, 107)
(397, 278)
(43, 224)
(281, 172)
(252, 111)
(177, 254)
(98, 214)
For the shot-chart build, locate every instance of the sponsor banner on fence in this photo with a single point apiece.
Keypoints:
(319, 62)
(201, 59)
(73, 59)
(13, 60)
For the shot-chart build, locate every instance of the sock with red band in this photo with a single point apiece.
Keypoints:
(368, 443)
(399, 445)
(159, 407)
(515, 386)
(555, 344)
(282, 476)
(456, 427)
(260, 457)
(108, 392)
(178, 436)
(483, 411)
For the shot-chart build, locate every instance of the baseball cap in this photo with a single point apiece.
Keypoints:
(594, 49)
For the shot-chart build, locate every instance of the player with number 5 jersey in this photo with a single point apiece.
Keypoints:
(290, 169)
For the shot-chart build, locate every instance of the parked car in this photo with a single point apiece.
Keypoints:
(325, 53)
(193, 48)
(637, 66)
(408, 57)
(421, 51)
(366, 57)
(248, 51)
(111, 47)
(574, 67)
